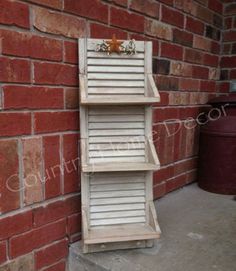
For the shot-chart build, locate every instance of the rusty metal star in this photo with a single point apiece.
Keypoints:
(114, 45)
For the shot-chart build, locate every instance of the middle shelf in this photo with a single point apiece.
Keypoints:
(117, 138)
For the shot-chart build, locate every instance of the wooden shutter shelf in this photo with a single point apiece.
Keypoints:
(116, 79)
(118, 156)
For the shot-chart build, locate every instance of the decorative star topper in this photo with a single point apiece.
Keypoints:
(114, 45)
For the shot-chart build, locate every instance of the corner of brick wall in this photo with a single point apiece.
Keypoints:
(39, 117)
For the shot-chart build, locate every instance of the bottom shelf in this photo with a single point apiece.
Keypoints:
(121, 234)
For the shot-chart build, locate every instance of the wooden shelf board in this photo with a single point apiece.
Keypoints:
(108, 167)
(123, 100)
(121, 233)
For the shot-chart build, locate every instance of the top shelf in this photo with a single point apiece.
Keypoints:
(116, 78)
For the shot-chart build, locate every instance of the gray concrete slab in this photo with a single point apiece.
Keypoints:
(198, 234)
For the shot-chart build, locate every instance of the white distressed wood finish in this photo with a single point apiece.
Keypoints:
(117, 152)
(116, 79)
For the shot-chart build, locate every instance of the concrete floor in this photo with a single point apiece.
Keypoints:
(198, 234)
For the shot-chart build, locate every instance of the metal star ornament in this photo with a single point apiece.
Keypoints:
(114, 45)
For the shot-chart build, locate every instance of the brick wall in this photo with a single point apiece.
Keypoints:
(39, 130)
(228, 60)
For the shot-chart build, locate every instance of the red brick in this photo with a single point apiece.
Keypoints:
(55, 74)
(167, 2)
(200, 72)
(194, 26)
(55, 121)
(188, 6)
(181, 69)
(51, 254)
(216, 5)
(208, 86)
(71, 163)
(127, 20)
(228, 23)
(9, 179)
(164, 98)
(205, 14)
(215, 48)
(74, 224)
(16, 224)
(189, 84)
(182, 37)
(230, 35)
(193, 56)
(228, 62)
(51, 147)
(233, 74)
(72, 98)
(159, 190)
(24, 97)
(202, 43)
(28, 45)
(55, 211)
(14, 70)
(61, 266)
(172, 16)
(123, 3)
(13, 124)
(163, 114)
(88, 8)
(171, 51)
(99, 31)
(71, 52)
(3, 252)
(57, 23)
(26, 242)
(14, 13)
(32, 164)
(167, 83)
(175, 183)
(147, 7)
(157, 29)
(211, 60)
(224, 87)
(57, 4)
(163, 174)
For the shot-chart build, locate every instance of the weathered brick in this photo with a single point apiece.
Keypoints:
(127, 20)
(194, 26)
(72, 98)
(46, 122)
(52, 166)
(172, 16)
(95, 10)
(51, 254)
(193, 56)
(57, 210)
(230, 9)
(178, 98)
(171, 51)
(201, 43)
(36, 238)
(24, 97)
(148, 7)
(14, 13)
(214, 74)
(15, 224)
(32, 164)
(71, 163)
(217, 21)
(25, 263)
(182, 37)
(15, 124)
(14, 70)
(167, 83)
(224, 75)
(57, 23)
(187, 6)
(162, 66)
(212, 33)
(3, 252)
(181, 69)
(216, 5)
(55, 74)
(157, 29)
(28, 45)
(99, 31)
(204, 14)
(200, 72)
